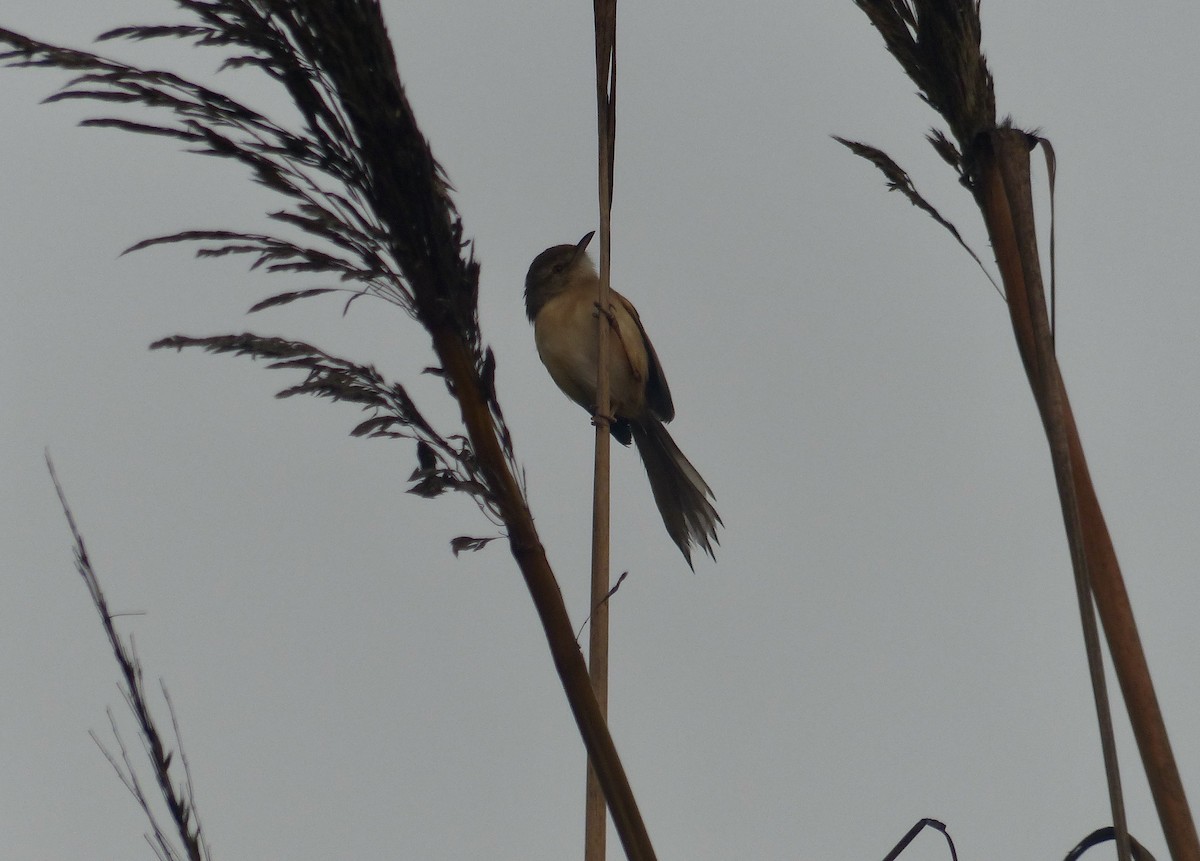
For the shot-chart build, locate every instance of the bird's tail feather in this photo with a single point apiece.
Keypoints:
(681, 494)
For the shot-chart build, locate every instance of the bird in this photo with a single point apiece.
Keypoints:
(561, 301)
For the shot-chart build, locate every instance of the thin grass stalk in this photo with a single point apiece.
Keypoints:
(178, 795)
(605, 20)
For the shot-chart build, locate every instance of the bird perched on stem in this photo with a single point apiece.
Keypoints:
(561, 292)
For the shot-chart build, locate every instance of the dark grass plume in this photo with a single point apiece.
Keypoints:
(444, 463)
(360, 185)
(939, 45)
(390, 232)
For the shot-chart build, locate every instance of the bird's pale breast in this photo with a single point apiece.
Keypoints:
(566, 337)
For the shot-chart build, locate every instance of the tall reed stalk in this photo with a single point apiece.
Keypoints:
(605, 21)
(937, 43)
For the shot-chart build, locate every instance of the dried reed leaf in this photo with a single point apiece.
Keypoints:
(921, 825)
(1103, 835)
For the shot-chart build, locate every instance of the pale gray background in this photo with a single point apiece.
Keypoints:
(890, 630)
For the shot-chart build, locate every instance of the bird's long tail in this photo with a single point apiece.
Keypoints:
(681, 494)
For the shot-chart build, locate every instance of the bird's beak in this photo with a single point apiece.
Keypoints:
(582, 244)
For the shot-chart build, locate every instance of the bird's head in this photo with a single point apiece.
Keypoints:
(554, 270)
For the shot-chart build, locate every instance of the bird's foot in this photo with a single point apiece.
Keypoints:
(599, 419)
(609, 314)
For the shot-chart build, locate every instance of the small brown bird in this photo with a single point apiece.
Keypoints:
(561, 292)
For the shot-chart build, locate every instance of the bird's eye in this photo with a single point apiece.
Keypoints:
(558, 267)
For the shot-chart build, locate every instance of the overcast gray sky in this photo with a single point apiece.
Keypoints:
(889, 630)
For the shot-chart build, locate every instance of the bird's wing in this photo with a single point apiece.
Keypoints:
(658, 393)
